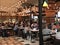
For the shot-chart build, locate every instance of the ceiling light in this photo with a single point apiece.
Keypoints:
(45, 4)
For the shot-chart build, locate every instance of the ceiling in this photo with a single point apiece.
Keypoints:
(12, 5)
(9, 5)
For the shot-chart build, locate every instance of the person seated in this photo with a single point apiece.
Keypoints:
(54, 26)
(46, 33)
(54, 31)
(15, 29)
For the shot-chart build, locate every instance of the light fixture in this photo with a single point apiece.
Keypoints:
(45, 4)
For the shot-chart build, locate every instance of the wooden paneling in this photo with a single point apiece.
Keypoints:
(50, 13)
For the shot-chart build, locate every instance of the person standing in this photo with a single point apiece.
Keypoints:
(20, 32)
(27, 31)
(16, 29)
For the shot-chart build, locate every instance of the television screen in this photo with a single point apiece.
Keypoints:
(58, 13)
(35, 17)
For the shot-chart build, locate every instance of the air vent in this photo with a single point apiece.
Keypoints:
(57, 0)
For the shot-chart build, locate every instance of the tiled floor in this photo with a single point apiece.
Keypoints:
(9, 41)
(15, 41)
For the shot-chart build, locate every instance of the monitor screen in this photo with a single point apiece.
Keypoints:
(58, 13)
(35, 17)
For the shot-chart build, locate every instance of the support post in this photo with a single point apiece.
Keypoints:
(40, 22)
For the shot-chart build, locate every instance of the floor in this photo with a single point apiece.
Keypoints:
(36, 42)
(30, 43)
(16, 41)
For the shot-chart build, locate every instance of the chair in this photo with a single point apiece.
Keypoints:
(48, 40)
(57, 42)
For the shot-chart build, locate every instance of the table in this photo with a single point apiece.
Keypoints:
(34, 34)
(9, 31)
